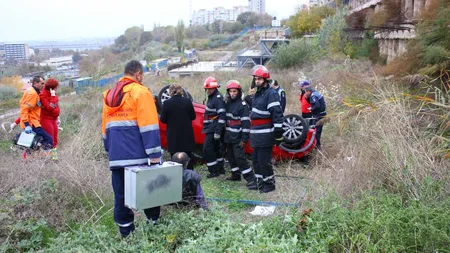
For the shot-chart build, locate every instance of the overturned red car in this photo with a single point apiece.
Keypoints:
(299, 137)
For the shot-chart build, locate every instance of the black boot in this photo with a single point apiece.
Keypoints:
(211, 175)
(255, 184)
(250, 178)
(234, 177)
(213, 171)
(220, 167)
(268, 186)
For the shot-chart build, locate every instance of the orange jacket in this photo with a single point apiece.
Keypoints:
(30, 108)
(130, 124)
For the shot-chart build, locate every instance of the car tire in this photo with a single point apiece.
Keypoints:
(163, 95)
(295, 129)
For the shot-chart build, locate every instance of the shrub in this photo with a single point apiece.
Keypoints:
(7, 92)
(296, 53)
(435, 54)
(332, 37)
(379, 222)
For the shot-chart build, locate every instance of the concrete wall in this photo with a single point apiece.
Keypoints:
(392, 42)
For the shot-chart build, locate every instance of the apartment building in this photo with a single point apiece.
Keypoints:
(257, 6)
(16, 51)
(203, 16)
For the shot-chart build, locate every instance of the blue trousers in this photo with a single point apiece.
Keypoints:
(124, 216)
(47, 140)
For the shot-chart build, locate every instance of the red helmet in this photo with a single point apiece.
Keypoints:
(261, 71)
(233, 84)
(210, 83)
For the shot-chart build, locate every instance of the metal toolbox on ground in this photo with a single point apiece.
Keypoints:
(150, 186)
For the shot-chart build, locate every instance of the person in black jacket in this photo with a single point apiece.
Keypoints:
(266, 130)
(178, 113)
(213, 126)
(236, 134)
(192, 190)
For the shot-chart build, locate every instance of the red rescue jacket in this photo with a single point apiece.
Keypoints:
(50, 108)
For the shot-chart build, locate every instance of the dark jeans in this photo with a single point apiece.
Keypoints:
(47, 140)
(318, 131)
(124, 216)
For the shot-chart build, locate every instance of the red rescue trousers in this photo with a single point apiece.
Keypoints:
(51, 127)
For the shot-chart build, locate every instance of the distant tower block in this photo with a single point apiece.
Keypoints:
(257, 6)
(142, 27)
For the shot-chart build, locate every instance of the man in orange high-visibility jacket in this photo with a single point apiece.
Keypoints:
(30, 112)
(131, 137)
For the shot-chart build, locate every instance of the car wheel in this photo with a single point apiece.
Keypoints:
(164, 95)
(295, 129)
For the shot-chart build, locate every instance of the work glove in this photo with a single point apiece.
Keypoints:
(216, 137)
(52, 92)
(13, 125)
(278, 136)
(28, 129)
(59, 121)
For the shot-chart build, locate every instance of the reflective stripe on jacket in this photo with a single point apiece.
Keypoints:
(282, 95)
(318, 106)
(30, 108)
(237, 121)
(130, 124)
(214, 120)
(266, 105)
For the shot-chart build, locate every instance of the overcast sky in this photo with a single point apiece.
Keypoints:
(27, 20)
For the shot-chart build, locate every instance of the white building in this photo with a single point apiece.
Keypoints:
(57, 61)
(203, 17)
(257, 6)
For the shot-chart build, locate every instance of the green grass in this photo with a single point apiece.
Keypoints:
(224, 190)
(8, 104)
(378, 222)
(5, 145)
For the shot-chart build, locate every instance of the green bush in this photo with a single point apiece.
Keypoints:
(297, 53)
(8, 93)
(332, 37)
(435, 54)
